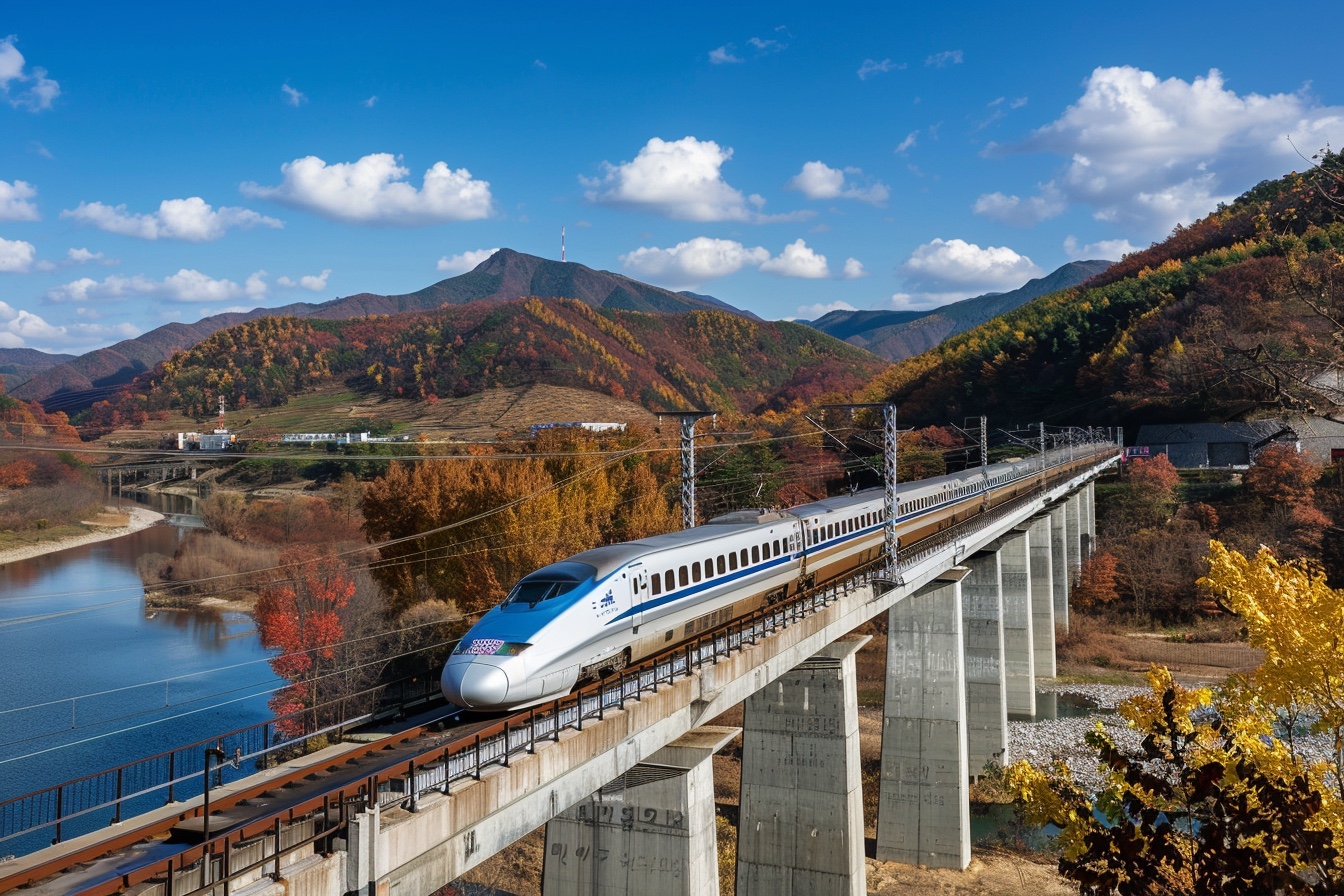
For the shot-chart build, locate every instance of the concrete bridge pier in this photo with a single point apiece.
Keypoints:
(800, 826)
(1074, 533)
(1059, 563)
(986, 691)
(1042, 597)
(923, 808)
(1089, 519)
(651, 831)
(1019, 654)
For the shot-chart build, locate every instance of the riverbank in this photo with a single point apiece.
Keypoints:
(110, 524)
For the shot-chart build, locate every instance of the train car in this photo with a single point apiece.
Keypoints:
(592, 614)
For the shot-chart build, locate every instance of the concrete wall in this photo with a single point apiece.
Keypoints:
(923, 816)
(1019, 657)
(1042, 597)
(1059, 564)
(649, 832)
(800, 823)
(982, 629)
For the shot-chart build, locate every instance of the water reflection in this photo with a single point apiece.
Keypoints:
(95, 680)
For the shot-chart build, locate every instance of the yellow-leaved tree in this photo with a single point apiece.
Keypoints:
(1225, 795)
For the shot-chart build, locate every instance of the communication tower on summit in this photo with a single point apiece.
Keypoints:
(562, 243)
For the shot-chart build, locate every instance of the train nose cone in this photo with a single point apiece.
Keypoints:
(476, 685)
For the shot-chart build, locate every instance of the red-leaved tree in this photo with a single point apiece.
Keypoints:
(299, 616)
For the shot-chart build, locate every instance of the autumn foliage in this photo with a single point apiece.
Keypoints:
(464, 529)
(1222, 796)
(702, 359)
(299, 616)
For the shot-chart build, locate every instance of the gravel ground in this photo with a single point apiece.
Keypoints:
(1042, 743)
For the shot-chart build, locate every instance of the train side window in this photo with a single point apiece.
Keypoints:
(695, 571)
(778, 548)
(684, 576)
(722, 565)
(669, 581)
(656, 584)
(732, 561)
(744, 558)
(755, 553)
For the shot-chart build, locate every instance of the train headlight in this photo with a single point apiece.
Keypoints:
(489, 647)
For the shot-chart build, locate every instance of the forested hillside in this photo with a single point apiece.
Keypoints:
(1239, 312)
(702, 359)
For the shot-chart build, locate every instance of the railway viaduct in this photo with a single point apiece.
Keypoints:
(622, 778)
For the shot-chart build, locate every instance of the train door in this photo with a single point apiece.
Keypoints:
(804, 534)
(639, 594)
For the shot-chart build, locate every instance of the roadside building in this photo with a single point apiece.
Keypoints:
(1227, 446)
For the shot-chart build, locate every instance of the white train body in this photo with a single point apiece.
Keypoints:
(602, 609)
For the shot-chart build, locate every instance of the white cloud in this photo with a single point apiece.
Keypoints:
(956, 266)
(14, 204)
(1154, 153)
(944, 59)
(373, 190)
(311, 282)
(798, 260)
(187, 285)
(84, 256)
(693, 261)
(908, 143)
(539, 64)
(723, 55)
(36, 91)
(192, 219)
(23, 329)
(905, 301)
(370, 102)
(1023, 212)
(16, 256)
(872, 67)
(466, 261)
(818, 180)
(679, 179)
(765, 46)
(11, 63)
(816, 312)
(853, 270)
(1110, 250)
(292, 96)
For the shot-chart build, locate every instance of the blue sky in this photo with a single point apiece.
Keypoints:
(162, 163)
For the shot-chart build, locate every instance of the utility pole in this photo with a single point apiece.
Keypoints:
(984, 456)
(890, 502)
(688, 420)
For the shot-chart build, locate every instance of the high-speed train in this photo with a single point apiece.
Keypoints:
(600, 610)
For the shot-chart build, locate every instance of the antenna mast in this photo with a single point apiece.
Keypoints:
(562, 243)
(221, 413)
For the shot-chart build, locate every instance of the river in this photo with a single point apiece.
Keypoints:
(93, 680)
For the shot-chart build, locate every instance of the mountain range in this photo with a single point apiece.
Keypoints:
(75, 383)
(897, 335)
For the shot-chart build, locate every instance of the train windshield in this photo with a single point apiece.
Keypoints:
(548, 584)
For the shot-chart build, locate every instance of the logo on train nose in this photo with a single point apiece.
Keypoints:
(606, 605)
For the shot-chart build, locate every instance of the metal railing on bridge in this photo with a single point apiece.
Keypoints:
(108, 797)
